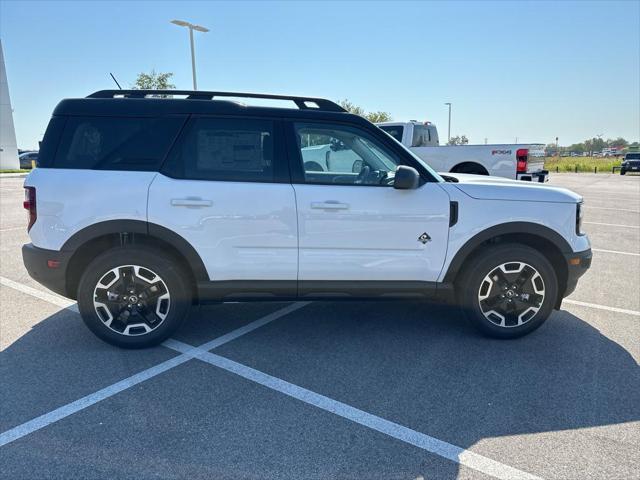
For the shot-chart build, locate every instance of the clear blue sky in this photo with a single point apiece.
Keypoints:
(532, 70)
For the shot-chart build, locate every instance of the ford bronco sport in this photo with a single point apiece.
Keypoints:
(146, 202)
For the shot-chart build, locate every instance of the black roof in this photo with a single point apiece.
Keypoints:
(165, 102)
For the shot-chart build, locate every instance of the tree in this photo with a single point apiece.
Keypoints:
(373, 117)
(458, 140)
(377, 117)
(153, 81)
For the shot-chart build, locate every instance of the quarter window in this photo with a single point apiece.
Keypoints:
(115, 143)
(224, 149)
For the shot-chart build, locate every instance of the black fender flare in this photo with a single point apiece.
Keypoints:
(526, 228)
(146, 228)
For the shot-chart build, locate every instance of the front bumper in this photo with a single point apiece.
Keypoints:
(540, 176)
(577, 265)
(47, 267)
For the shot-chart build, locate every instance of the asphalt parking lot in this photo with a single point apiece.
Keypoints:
(366, 390)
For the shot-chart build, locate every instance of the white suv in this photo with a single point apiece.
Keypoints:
(144, 203)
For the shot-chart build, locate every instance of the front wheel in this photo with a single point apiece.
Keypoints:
(508, 290)
(133, 297)
(622, 172)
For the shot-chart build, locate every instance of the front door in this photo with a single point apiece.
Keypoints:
(354, 227)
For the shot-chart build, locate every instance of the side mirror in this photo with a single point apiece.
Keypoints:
(406, 178)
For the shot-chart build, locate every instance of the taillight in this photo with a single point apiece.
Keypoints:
(522, 156)
(29, 205)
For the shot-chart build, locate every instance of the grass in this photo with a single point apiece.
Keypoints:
(14, 171)
(584, 164)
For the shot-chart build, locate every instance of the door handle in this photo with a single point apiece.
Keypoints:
(191, 202)
(330, 205)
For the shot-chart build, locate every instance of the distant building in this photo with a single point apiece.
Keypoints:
(8, 146)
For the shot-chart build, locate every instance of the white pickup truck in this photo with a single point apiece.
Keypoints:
(513, 161)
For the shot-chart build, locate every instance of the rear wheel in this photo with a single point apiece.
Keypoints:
(508, 290)
(133, 297)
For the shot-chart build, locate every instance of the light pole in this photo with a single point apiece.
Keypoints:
(449, 129)
(191, 27)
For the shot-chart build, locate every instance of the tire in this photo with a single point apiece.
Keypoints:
(622, 172)
(511, 312)
(158, 284)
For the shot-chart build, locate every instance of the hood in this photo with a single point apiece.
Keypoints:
(485, 187)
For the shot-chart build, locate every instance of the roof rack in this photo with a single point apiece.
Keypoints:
(303, 103)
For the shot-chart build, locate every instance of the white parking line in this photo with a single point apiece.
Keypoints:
(612, 224)
(64, 411)
(34, 292)
(616, 252)
(618, 209)
(602, 307)
(9, 229)
(404, 434)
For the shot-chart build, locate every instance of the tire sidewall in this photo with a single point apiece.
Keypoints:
(155, 261)
(485, 262)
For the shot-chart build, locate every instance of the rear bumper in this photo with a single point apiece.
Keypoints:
(540, 176)
(577, 265)
(41, 266)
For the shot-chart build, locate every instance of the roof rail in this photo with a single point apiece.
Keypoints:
(303, 103)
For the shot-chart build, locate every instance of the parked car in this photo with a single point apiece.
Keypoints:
(27, 160)
(141, 207)
(503, 160)
(631, 163)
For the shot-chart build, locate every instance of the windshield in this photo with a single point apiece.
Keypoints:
(633, 156)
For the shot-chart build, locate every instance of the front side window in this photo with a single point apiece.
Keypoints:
(337, 154)
(224, 149)
(116, 143)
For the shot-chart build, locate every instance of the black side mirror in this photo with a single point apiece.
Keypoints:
(406, 178)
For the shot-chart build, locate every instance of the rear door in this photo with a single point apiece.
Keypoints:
(225, 188)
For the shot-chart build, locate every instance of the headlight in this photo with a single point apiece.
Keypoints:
(579, 214)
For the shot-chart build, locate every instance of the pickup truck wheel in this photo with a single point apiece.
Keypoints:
(622, 172)
(133, 297)
(508, 291)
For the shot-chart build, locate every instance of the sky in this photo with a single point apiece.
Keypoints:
(530, 71)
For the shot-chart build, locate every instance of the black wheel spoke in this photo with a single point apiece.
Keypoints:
(525, 275)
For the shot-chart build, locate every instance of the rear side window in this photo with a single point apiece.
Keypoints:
(395, 131)
(421, 136)
(226, 149)
(49, 143)
(116, 143)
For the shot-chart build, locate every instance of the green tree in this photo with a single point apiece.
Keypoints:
(458, 140)
(377, 117)
(153, 81)
(618, 142)
(373, 117)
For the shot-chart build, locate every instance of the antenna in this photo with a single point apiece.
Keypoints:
(114, 79)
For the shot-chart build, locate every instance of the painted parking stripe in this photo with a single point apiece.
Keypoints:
(404, 434)
(602, 307)
(612, 224)
(64, 411)
(616, 252)
(34, 292)
(9, 229)
(618, 209)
